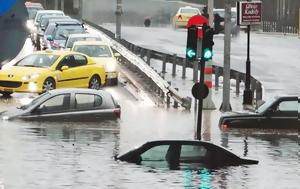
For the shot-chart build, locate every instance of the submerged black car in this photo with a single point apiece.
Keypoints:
(279, 113)
(180, 154)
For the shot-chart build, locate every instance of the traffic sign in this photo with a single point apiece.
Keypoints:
(200, 91)
(249, 13)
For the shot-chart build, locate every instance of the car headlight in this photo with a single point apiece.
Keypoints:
(32, 86)
(32, 76)
(30, 24)
(110, 66)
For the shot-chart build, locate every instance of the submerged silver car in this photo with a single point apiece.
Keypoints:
(67, 105)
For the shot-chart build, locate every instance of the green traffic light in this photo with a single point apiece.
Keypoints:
(207, 54)
(190, 53)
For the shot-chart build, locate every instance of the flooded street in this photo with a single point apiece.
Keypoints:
(81, 155)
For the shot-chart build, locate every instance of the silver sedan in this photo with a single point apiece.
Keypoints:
(67, 105)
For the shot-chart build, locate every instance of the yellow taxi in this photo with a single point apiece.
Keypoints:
(47, 70)
(183, 15)
(103, 55)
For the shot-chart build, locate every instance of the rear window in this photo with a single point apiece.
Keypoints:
(189, 11)
(93, 50)
(87, 101)
(63, 31)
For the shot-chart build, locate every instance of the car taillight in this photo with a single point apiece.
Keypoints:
(179, 17)
(225, 126)
(117, 113)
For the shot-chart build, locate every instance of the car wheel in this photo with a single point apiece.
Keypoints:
(6, 94)
(95, 82)
(48, 85)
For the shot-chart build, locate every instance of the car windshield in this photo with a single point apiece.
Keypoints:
(49, 29)
(265, 106)
(71, 41)
(38, 60)
(32, 11)
(34, 101)
(39, 16)
(64, 31)
(93, 50)
(189, 11)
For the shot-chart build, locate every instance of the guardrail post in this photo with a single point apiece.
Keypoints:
(135, 49)
(168, 97)
(259, 93)
(174, 65)
(175, 102)
(132, 47)
(142, 53)
(217, 75)
(162, 94)
(164, 63)
(237, 85)
(184, 68)
(148, 56)
(252, 86)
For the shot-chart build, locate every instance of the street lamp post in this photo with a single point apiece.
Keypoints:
(248, 97)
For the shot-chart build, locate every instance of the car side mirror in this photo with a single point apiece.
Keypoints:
(117, 55)
(49, 38)
(64, 68)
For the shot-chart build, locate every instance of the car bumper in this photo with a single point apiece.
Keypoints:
(181, 23)
(28, 87)
(111, 78)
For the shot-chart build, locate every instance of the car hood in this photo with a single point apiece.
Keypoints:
(17, 72)
(11, 113)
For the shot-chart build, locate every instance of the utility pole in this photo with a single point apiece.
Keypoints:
(118, 19)
(62, 5)
(80, 9)
(226, 69)
(210, 11)
(55, 4)
(208, 103)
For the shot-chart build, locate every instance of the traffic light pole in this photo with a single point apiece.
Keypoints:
(247, 92)
(200, 101)
(201, 82)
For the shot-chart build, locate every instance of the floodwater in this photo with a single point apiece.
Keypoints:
(81, 155)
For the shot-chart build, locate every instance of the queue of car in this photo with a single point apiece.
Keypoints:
(53, 71)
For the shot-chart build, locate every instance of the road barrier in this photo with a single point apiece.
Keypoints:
(175, 60)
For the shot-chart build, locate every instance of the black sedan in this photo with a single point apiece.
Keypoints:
(67, 105)
(278, 113)
(180, 154)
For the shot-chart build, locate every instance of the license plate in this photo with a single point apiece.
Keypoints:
(7, 90)
(111, 75)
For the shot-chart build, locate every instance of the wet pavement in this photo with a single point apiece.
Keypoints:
(81, 155)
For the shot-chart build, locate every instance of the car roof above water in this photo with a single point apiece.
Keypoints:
(78, 90)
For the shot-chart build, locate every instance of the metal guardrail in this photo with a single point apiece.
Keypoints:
(148, 54)
(162, 88)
